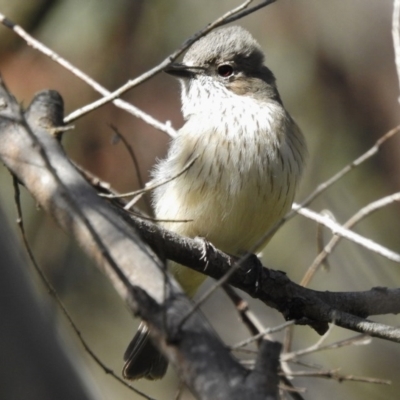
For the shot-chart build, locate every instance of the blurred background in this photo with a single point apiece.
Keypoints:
(335, 69)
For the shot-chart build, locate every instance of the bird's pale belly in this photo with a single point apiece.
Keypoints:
(234, 224)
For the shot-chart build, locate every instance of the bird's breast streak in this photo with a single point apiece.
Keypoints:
(232, 194)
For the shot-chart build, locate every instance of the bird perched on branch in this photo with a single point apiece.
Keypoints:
(249, 156)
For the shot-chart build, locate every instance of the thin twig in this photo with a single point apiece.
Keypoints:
(131, 152)
(106, 191)
(361, 214)
(135, 162)
(349, 167)
(217, 284)
(249, 11)
(396, 37)
(59, 302)
(155, 70)
(151, 186)
(333, 374)
(157, 220)
(342, 231)
(320, 236)
(179, 392)
(257, 330)
(267, 331)
(242, 307)
(130, 108)
(293, 392)
(357, 340)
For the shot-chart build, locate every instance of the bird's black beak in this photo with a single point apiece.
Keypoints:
(182, 70)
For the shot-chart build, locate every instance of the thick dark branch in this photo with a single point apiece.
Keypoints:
(30, 150)
(346, 309)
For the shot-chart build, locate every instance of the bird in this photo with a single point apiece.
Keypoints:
(248, 156)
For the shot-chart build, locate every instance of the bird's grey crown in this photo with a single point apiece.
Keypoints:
(233, 43)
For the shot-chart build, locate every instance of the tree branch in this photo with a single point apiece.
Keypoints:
(231, 15)
(276, 290)
(33, 154)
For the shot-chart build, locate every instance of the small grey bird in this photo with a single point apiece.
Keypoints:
(249, 156)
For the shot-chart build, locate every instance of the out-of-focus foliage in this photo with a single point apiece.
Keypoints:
(336, 74)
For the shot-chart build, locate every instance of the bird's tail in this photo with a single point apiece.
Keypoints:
(142, 358)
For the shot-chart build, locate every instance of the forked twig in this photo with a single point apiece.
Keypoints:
(224, 19)
(128, 107)
(342, 231)
(357, 217)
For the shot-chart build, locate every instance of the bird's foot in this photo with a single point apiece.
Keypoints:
(207, 247)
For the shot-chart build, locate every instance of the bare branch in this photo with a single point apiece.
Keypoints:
(349, 167)
(227, 17)
(247, 12)
(353, 341)
(265, 332)
(242, 307)
(396, 36)
(334, 374)
(132, 154)
(130, 108)
(276, 290)
(342, 231)
(361, 214)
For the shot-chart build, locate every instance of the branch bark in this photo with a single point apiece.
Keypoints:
(275, 289)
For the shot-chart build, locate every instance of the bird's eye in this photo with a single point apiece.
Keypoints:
(225, 70)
